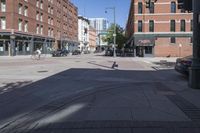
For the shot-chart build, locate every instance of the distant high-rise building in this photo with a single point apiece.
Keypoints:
(101, 26)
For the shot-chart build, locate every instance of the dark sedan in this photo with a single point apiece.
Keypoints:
(183, 64)
(76, 52)
(109, 52)
(60, 53)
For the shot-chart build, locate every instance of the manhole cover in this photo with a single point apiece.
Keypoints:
(42, 71)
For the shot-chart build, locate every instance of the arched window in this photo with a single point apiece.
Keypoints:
(173, 7)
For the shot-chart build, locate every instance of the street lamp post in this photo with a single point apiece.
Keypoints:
(114, 35)
(195, 69)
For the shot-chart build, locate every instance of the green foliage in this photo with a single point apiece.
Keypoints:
(120, 37)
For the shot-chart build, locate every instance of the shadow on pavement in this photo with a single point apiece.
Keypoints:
(69, 99)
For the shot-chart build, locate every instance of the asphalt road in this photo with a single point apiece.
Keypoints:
(85, 94)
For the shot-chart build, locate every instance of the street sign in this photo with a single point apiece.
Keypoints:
(114, 34)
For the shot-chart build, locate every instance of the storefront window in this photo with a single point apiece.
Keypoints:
(27, 47)
(20, 47)
(148, 50)
(1, 46)
(6, 46)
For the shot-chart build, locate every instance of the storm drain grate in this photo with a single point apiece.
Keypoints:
(190, 110)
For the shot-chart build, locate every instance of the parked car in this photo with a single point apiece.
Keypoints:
(109, 52)
(76, 52)
(60, 53)
(86, 52)
(119, 52)
(183, 64)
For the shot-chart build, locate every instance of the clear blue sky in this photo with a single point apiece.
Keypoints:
(96, 8)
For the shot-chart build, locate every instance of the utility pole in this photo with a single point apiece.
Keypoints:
(114, 35)
(194, 79)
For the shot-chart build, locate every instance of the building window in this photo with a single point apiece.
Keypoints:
(37, 15)
(41, 30)
(191, 39)
(41, 17)
(148, 50)
(26, 26)
(37, 29)
(172, 26)
(140, 7)
(49, 9)
(183, 25)
(151, 26)
(191, 25)
(20, 8)
(20, 25)
(173, 40)
(140, 26)
(37, 3)
(49, 20)
(3, 23)
(3, 5)
(41, 5)
(151, 9)
(52, 32)
(49, 32)
(25, 11)
(173, 7)
(52, 10)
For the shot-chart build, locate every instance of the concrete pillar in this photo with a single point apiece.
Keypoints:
(194, 79)
(134, 51)
(12, 47)
(45, 46)
(31, 45)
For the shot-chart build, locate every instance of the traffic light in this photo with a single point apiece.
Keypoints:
(185, 5)
(188, 5)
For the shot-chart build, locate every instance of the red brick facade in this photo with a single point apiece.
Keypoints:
(168, 40)
(54, 20)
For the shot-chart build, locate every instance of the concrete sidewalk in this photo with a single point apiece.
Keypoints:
(89, 96)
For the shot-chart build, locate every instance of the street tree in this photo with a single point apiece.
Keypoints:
(120, 36)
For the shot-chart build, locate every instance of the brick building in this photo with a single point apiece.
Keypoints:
(160, 30)
(92, 39)
(26, 25)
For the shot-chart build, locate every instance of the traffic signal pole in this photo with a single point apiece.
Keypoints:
(194, 79)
